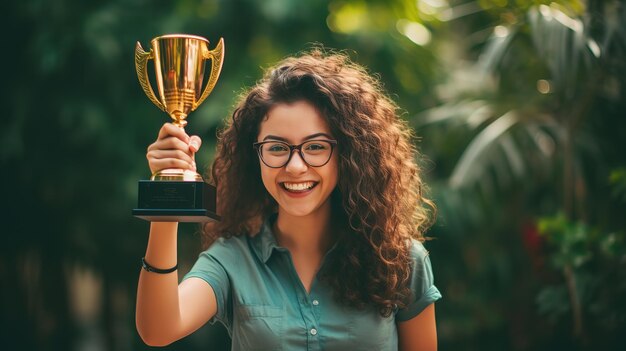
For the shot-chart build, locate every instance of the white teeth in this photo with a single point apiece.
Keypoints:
(299, 186)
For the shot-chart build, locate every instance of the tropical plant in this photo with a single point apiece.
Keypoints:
(532, 152)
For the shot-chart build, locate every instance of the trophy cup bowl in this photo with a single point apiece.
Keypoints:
(178, 195)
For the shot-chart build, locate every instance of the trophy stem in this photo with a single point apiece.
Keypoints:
(180, 119)
(177, 174)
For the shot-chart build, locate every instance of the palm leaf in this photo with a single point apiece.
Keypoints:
(472, 165)
(562, 43)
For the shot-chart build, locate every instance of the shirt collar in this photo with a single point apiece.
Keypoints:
(264, 242)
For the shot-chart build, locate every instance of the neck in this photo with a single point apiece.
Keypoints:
(304, 233)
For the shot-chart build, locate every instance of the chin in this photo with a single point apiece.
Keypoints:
(301, 210)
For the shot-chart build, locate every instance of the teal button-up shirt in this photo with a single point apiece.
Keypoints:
(264, 306)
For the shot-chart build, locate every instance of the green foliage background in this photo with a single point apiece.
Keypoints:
(518, 106)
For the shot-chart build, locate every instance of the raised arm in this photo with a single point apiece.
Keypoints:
(167, 311)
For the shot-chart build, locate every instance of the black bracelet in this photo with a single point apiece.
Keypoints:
(145, 265)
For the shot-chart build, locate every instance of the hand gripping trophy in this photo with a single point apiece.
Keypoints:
(177, 195)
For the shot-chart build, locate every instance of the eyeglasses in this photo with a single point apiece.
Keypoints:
(276, 154)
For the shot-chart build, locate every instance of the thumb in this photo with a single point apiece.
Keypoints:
(194, 143)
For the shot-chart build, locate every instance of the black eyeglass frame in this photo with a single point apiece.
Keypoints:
(257, 147)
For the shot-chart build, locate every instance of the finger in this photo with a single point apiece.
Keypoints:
(168, 163)
(194, 143)
(165, 154)
(170, 143)
(169, 129)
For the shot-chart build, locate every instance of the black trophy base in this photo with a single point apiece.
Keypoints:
(176, 201)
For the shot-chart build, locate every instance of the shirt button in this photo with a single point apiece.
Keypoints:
(313, 331)
(315, 302)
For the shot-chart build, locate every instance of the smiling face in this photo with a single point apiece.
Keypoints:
(299, 189)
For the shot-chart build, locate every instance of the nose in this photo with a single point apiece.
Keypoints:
(296, 164)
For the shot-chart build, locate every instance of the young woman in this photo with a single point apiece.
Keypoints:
(319, 246)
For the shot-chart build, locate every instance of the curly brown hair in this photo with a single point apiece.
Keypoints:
(378, 204)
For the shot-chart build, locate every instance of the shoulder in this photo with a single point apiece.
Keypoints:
(417, 251)
(421, 283)
(421, 267)
(228, 249)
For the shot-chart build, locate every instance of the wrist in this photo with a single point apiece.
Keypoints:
(148, 267)
(163, 226)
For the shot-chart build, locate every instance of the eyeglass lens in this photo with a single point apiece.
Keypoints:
(315, 153)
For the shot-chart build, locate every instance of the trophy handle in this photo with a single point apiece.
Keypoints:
(141, 65)
(217, 57)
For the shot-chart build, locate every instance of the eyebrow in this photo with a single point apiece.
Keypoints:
(312, 136)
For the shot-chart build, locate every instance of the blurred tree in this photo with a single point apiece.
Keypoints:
(532, 131)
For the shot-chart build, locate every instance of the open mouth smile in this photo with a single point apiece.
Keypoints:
(301, 187)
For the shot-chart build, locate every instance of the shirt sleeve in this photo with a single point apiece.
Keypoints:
(209, 269)
(424, 291)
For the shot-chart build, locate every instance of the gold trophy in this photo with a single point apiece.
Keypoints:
(177, 195)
